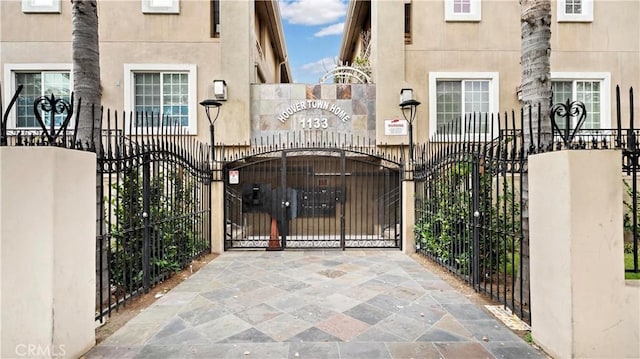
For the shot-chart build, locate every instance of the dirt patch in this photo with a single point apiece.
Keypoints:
(133, 307)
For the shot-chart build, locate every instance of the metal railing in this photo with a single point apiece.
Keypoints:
(470, 193)
(468, 208)
(155, 192)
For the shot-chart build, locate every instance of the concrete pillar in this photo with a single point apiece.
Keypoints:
(408, 215)
(579, 303)
(217, 217)
(47, 248)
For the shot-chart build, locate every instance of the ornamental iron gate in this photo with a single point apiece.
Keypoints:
(468, 208)
(153, 192)
(155, 211)
(471, 194)
(312, 198)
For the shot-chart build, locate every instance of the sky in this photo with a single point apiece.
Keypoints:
(313, 32)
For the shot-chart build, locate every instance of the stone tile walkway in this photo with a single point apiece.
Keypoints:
(319, 304)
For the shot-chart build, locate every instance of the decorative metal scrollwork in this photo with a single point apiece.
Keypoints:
(568, 111)
(54, 106)
(4, 116)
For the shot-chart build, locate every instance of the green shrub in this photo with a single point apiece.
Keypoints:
(445, 226)
(172, 241)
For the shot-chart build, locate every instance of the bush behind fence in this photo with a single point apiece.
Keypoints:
(471, 192)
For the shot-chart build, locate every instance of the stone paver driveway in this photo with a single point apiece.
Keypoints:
(320, 304)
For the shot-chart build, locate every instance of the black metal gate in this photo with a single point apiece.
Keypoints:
(153, 193)
(312, 198)
(155, 215)
(468, 208)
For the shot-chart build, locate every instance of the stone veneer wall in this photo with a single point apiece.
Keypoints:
(270, 101)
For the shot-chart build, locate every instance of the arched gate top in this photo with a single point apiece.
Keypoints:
(389, 156)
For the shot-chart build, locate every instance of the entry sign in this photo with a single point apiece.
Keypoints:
(395, 127)
(234, 177)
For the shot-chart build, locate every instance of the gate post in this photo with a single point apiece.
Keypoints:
(47, 251)
(581, 305)
(217, 214)
(475, 194)
(408, 211)
(146, 232)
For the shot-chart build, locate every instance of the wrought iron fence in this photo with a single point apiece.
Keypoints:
(468, 205)
(154, 194)
(312, 140)
(155, 190)
(626, 139)
(470, 193)
(54, 117)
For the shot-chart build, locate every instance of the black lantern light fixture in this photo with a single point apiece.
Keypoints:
(409, 106)
(208, 105)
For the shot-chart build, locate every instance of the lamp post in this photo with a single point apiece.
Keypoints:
(208, 105)
(410, 105)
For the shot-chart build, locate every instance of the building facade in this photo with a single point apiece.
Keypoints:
(312, 147)
(462, 56)
(155, 56)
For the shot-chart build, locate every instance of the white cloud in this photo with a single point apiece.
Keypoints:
(319, 67)
(335, 29)
(312, 12)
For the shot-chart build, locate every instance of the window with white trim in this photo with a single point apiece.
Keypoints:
(161, 6)
(462, 10)
(37, 80)
(41, 6)
(162, 91)
(575, 10)
(590, 89)
(459, 95)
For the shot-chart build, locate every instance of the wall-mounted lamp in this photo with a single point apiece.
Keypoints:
(409, 104)
(406, 94)
(220, 90)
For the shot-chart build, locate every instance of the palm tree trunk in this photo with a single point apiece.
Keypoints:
(86, 70)
(87, 91)
(536, 91)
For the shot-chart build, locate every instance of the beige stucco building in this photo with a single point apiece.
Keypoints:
(328, 188)
(464, 56)
(465, 52)
(153, 55)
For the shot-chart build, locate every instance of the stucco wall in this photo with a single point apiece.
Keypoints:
(47, 235)
(388, 63)
(606, 45)
(581, 305)
(127, 36)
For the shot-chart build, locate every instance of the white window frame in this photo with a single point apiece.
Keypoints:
(586, 16)
(494, 95)
(160, 6)
(605, 90)
(9, 78)
(474, 15)
(41, 6)
(190, 69)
